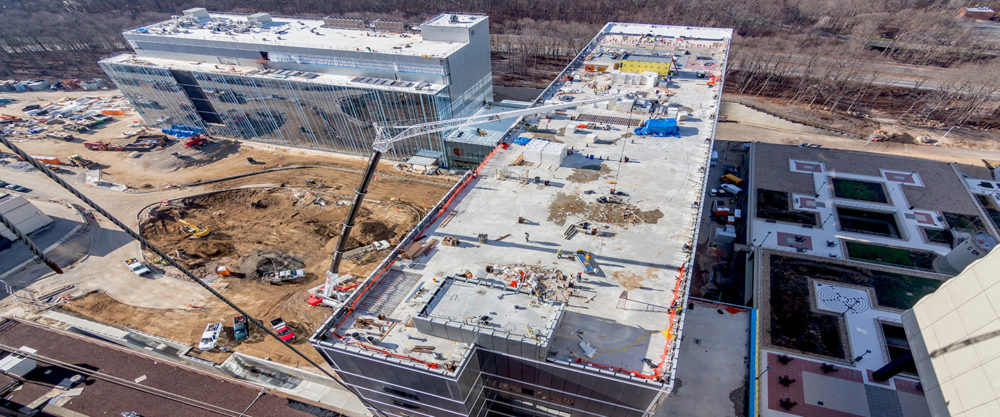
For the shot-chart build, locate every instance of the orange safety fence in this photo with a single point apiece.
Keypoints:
(386, 352)
(658, 370)
(444, 208)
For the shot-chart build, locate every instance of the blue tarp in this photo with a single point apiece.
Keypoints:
(194, 129)
(659, 127)
(522, 141)
(178, 133)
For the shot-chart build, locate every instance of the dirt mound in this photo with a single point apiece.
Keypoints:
(368, 232)
(606, 209)
(260, 262)
(588, 173)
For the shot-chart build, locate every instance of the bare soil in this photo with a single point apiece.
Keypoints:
(247, 221)
(588, 173)
(618, 213)
(253, 230)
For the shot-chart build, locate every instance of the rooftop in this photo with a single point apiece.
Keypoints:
(278, 74)
(312, 33)
(118, 380)
(647, 58)
(574, 222)
(801, 194)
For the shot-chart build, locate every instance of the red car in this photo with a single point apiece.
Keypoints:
(283, 331)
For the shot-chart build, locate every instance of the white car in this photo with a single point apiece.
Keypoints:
(211, 335)
(136, 266)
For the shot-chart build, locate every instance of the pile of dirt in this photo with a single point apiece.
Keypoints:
(605, 209)
(588, 173)
(260, 262)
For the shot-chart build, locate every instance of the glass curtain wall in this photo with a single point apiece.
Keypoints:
(282, 112)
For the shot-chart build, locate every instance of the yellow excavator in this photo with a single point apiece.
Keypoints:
(195, 231)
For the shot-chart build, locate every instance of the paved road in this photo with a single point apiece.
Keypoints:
(104, 249)
(744, 132)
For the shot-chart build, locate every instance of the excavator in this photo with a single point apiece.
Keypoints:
(333, 293)
(195, 231)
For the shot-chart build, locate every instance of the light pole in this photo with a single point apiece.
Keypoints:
(938, 143)
(763, 240)
(762, 373)
(827, 219)
(820, 188)
(918, 200)
(862, 356)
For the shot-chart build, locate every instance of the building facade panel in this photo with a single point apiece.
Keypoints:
(295, 82)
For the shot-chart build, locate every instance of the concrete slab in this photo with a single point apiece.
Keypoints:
(712, 364)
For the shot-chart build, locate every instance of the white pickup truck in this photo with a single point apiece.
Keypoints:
(136, 266)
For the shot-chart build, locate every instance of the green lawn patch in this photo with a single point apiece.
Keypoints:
(795, 326)
(890, 255)
(858, 190)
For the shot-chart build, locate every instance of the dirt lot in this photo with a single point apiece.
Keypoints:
(248, 227)
(741, 132)
(148, 171)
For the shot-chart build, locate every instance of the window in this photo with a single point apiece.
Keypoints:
(528, 391)
(406, 405)
(400, 393)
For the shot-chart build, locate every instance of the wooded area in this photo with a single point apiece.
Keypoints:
(842, 56)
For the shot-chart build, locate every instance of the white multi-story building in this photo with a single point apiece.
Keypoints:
(318, 84)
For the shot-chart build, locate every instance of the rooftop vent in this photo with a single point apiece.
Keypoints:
(17, 363)
(390, 25)
(344, 22)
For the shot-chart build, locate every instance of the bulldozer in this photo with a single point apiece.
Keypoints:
(195, 231)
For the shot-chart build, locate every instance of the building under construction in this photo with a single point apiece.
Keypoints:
(552, 279)
(311, 83)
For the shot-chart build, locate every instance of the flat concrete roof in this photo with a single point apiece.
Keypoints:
(309, 33)
(493, 307)
(918, 195)
(941, 189)
(279, 74)
(618, 317)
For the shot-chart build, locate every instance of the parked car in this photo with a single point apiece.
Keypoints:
(136, 266)
(21, 189)
(282, 329)
(210, 336)
(240, 331)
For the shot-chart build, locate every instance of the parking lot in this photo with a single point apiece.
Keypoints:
(718, 275)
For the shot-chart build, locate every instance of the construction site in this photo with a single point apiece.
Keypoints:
(282, 211)
(558, 271)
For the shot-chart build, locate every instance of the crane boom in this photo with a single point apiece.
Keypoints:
(383, 142)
